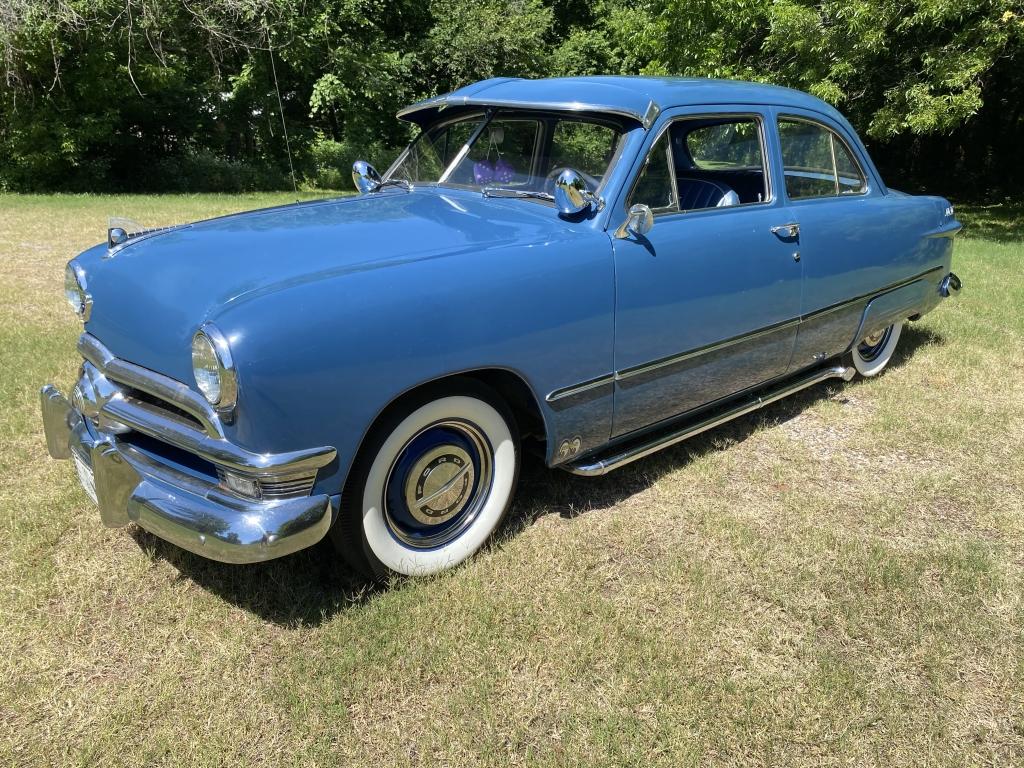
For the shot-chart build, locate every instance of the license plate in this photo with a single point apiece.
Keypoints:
(85, 476)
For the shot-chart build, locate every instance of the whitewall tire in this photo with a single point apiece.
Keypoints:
(872, 353)
(432, 483)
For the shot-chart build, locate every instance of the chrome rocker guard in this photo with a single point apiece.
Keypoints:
(185, 510)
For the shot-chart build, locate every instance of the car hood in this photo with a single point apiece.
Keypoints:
(151, 295)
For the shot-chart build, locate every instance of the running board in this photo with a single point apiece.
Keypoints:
(621, 455)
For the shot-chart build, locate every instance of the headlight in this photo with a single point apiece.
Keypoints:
(213, 367)
(74, 290)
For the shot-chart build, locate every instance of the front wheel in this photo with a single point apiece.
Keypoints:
(431, 484)
(874, 351)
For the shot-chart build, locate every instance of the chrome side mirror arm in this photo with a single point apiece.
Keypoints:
(365, 177)
(638, 222)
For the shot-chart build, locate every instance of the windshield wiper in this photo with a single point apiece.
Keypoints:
(520, 193)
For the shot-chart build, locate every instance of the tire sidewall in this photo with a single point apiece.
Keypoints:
(384, 553)
(877, 364)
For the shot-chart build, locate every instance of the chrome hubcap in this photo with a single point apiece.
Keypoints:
(873, 344)
(437, 484)
(873, 339)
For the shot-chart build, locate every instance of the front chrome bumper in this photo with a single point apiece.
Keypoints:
(182, 508)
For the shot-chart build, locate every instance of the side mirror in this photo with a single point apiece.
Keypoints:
(365, 176)
(638, 221)
(572, 196)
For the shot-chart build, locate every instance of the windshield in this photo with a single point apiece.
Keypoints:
(519, 151)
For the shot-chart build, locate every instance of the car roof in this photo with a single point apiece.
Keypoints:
(638, 98)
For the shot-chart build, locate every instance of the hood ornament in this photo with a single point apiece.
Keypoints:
(120, 230)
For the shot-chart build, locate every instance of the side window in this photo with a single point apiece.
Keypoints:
(816, 162)
(654, 186)
(734, 145)
(703, 162)
(719, 161)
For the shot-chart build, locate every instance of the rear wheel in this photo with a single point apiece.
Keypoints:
(874, 351)
(434, 480)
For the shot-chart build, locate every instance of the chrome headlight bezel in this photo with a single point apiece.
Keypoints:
(209, 339)
(76, 290)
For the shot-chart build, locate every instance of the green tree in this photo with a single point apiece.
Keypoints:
(159, 94)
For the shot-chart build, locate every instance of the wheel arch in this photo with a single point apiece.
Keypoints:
(510, 385)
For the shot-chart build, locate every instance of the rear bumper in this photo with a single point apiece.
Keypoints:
(179, 507)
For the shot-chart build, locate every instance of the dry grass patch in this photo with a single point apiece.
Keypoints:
(835, 580)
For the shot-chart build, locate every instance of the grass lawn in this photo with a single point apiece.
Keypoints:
(834, 580)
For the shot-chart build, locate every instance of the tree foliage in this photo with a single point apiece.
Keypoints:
(181, 94)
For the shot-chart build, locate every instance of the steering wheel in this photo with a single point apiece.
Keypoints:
(549, 182)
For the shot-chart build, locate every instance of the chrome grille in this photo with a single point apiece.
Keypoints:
(152, 402)
(272, 489)
(140, 404)
(287, 489)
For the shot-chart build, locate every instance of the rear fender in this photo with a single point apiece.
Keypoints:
(915, 298)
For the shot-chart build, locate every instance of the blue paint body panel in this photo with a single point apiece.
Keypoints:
(333, 309)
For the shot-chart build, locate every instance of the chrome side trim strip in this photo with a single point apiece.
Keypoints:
(873, 294)
(586, 386)
(627, 373)
(649, 444)
(150, 382)
(645, 118)
(667, 361)
(673, 359)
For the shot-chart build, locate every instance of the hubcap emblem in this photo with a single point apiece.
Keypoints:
(439, 485)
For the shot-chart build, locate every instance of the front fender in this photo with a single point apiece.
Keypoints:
(319, 361)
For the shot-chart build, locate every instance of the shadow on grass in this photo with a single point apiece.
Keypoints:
(309, 587)
(1002, 222)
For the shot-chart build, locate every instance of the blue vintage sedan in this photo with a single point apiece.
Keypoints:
(598, 266)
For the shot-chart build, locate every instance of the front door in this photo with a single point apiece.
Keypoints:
(708, 301)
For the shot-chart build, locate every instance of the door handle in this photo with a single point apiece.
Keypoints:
(787, 231)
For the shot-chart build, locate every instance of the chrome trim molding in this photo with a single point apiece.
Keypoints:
(873, 294)
(950, 229)
(565, 393)
(650, 115)
(150, 382)
(645, 118)
(149, 421)
(224, 406)
(638, 370)
(648, 444)
(577, 389)
(138, 237)
(83, 285)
